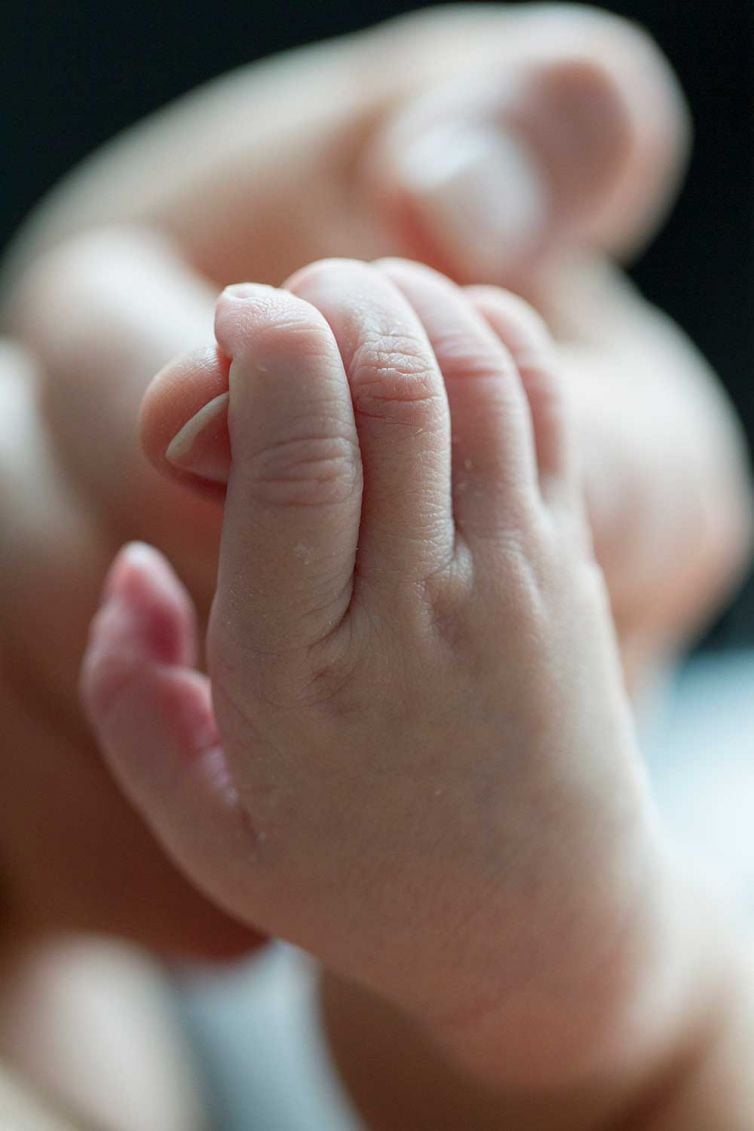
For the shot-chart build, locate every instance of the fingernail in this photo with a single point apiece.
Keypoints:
(202, 446)
(481, 195)
(243, 290)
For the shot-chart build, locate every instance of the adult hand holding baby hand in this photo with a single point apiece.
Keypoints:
(412, 754)
(325, 151)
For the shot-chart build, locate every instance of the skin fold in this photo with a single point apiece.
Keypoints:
(250, 179)
(100, 312)
(411, 653)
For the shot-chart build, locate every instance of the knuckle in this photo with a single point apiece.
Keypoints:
(344, 674)
(519, 565)
(470, 359)
(515, 318)
(333, 688)
(523, 577)
(306, 471)
(392, 380)
(445, 601)
(546, 394)
(517, 582)
(325, 679)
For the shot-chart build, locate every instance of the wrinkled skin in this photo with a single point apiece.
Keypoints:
(93, 316)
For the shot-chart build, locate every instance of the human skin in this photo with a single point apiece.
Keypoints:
(92, 1024)
(236, 197)
(413, 753)
(27, 1110)
(96, 866)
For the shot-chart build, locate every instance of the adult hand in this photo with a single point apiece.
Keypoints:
(519, 146)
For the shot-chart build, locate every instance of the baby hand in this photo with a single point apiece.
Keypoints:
(412, 755)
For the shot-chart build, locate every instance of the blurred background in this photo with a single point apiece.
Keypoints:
(77, 71)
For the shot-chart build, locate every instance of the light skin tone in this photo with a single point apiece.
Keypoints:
(102, 312)
(646, 406)
(20, 1108)
(413, 753)
(92, 1023)
(341, 174)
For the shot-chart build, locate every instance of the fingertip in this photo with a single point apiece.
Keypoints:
(152, 712)
(146, 618)
(580, 139)
(261, 328)
(243, 310)
(142, 577)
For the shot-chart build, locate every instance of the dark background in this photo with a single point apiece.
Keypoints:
(76, 71)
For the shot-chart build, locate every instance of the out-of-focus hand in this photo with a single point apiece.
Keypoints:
(503, 145)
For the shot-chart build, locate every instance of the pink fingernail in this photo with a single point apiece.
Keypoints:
(202, 446)
(480, 193)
